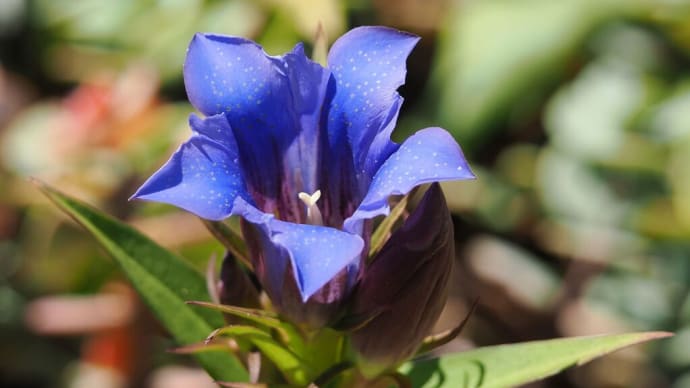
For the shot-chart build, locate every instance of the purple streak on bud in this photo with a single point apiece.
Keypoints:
(406, 282)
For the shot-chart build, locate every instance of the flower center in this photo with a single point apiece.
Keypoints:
(313, 212)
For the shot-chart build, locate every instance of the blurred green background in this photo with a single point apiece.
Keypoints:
(574, 113)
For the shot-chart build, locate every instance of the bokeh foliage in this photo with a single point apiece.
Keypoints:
(575, 114)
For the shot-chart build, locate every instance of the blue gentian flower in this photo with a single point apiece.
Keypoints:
(303, 154)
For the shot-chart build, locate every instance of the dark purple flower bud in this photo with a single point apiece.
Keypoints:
(404, 288)
(235, 288)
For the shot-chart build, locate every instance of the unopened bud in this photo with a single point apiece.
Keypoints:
(404, 288)
(235, 288)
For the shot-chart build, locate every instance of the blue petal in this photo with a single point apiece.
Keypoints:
(215, 128)
(308, 83)
(382, 146)
(368, 64)
(430, 155)
(234, 75)
(317, 253)
(203, 176)
(274, 107)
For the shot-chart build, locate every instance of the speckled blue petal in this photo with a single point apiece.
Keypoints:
(382, 147)
(203, 176)
(308, 83)
(317, 253)
(235, 77)
(302, 158)
(215, 128)
(228, 74)
(368, 64)
(430, 155)
(274, 106)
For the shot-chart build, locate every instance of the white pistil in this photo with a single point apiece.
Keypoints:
(313, 212)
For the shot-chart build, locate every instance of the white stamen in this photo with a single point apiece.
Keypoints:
(313, 212)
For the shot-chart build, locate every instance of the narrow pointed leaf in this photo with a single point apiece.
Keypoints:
(200, 347)
(517, 364)
(289, 334)
(295, 370)
(231, 240)
(236, 331)
(380, 235)
(241, 385)
(433, 341)
(212, 280)
(255, 315)
(162, 279)
(320, 52)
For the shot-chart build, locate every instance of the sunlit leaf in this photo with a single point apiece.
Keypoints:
(512, 365)
(162, 279)
(289, 334)
(200, 347)
(259, 316)
(295, 370)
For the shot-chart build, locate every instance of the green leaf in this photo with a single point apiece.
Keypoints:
(288, 333)
(231, 240)
(164, 281)
(300, 355)
(295, 370)
(515, 364)
(199, 347)
(262, 317)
